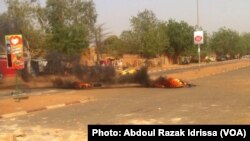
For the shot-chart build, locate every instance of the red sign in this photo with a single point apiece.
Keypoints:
(14, 45)
(198, 37)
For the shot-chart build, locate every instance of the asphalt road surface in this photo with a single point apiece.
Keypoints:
(192, 67)
(219, 99)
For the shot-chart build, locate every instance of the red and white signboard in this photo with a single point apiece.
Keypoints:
(14, 45)
(198, 37)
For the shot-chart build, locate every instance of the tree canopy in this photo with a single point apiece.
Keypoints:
(21, 18)
(245, 44)
(181, 38)
(148, 34)
(225, 42)
(70, 24)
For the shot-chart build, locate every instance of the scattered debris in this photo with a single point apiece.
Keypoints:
(80, 85)
(169, 82)
(139, 77)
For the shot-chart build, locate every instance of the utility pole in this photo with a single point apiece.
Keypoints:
(198, 14)
(198, 28)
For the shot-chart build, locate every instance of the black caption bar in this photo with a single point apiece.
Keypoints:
(163, 132)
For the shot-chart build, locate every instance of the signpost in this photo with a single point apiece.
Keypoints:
(15, 58)
(198, 40)
(198, 35)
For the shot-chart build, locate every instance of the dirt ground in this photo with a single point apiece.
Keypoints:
(9, 105)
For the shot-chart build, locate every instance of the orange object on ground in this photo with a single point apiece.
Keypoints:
(163, 82)
(80, 85)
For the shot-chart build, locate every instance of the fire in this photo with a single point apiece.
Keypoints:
(80, 85)
(165, 82)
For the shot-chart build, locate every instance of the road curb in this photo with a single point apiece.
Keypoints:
(223, 71)
(21, 113)
(188, 66)
(36, 110)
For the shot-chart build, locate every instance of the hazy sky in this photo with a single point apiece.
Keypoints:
(116, 14)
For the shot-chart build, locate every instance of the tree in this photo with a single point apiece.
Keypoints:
(69, 40)
(99, 37)
(70, 24)
(21, 18)
(245, 44)
(144, 21)
(129, 41)
(180, 38)
(71, 12)
(113, 46)
(205, 48)
(149, 34)
(225, 42)
(5, 28)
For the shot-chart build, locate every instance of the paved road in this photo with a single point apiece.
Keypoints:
(183, 68)
(219, 99)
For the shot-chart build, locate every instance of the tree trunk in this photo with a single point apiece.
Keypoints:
(28, 58)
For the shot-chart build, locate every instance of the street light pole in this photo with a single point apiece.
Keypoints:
(198, 26)
(198, 14)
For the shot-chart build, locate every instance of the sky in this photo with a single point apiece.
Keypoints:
(214, 14)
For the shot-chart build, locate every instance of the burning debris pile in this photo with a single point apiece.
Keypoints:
(85, 78)
(142, 77)
(169, 82)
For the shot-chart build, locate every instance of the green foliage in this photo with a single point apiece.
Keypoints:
(71, 12)
(21, 18)
(245, 44)
(144, 21)
(69, 40)
(180, 38)
(225, 42)
(149, 34)
(70, 24)
(113, 46)
(67, 26)
(205, 48)
(155, 41)
(128, 39)
(5, 29)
